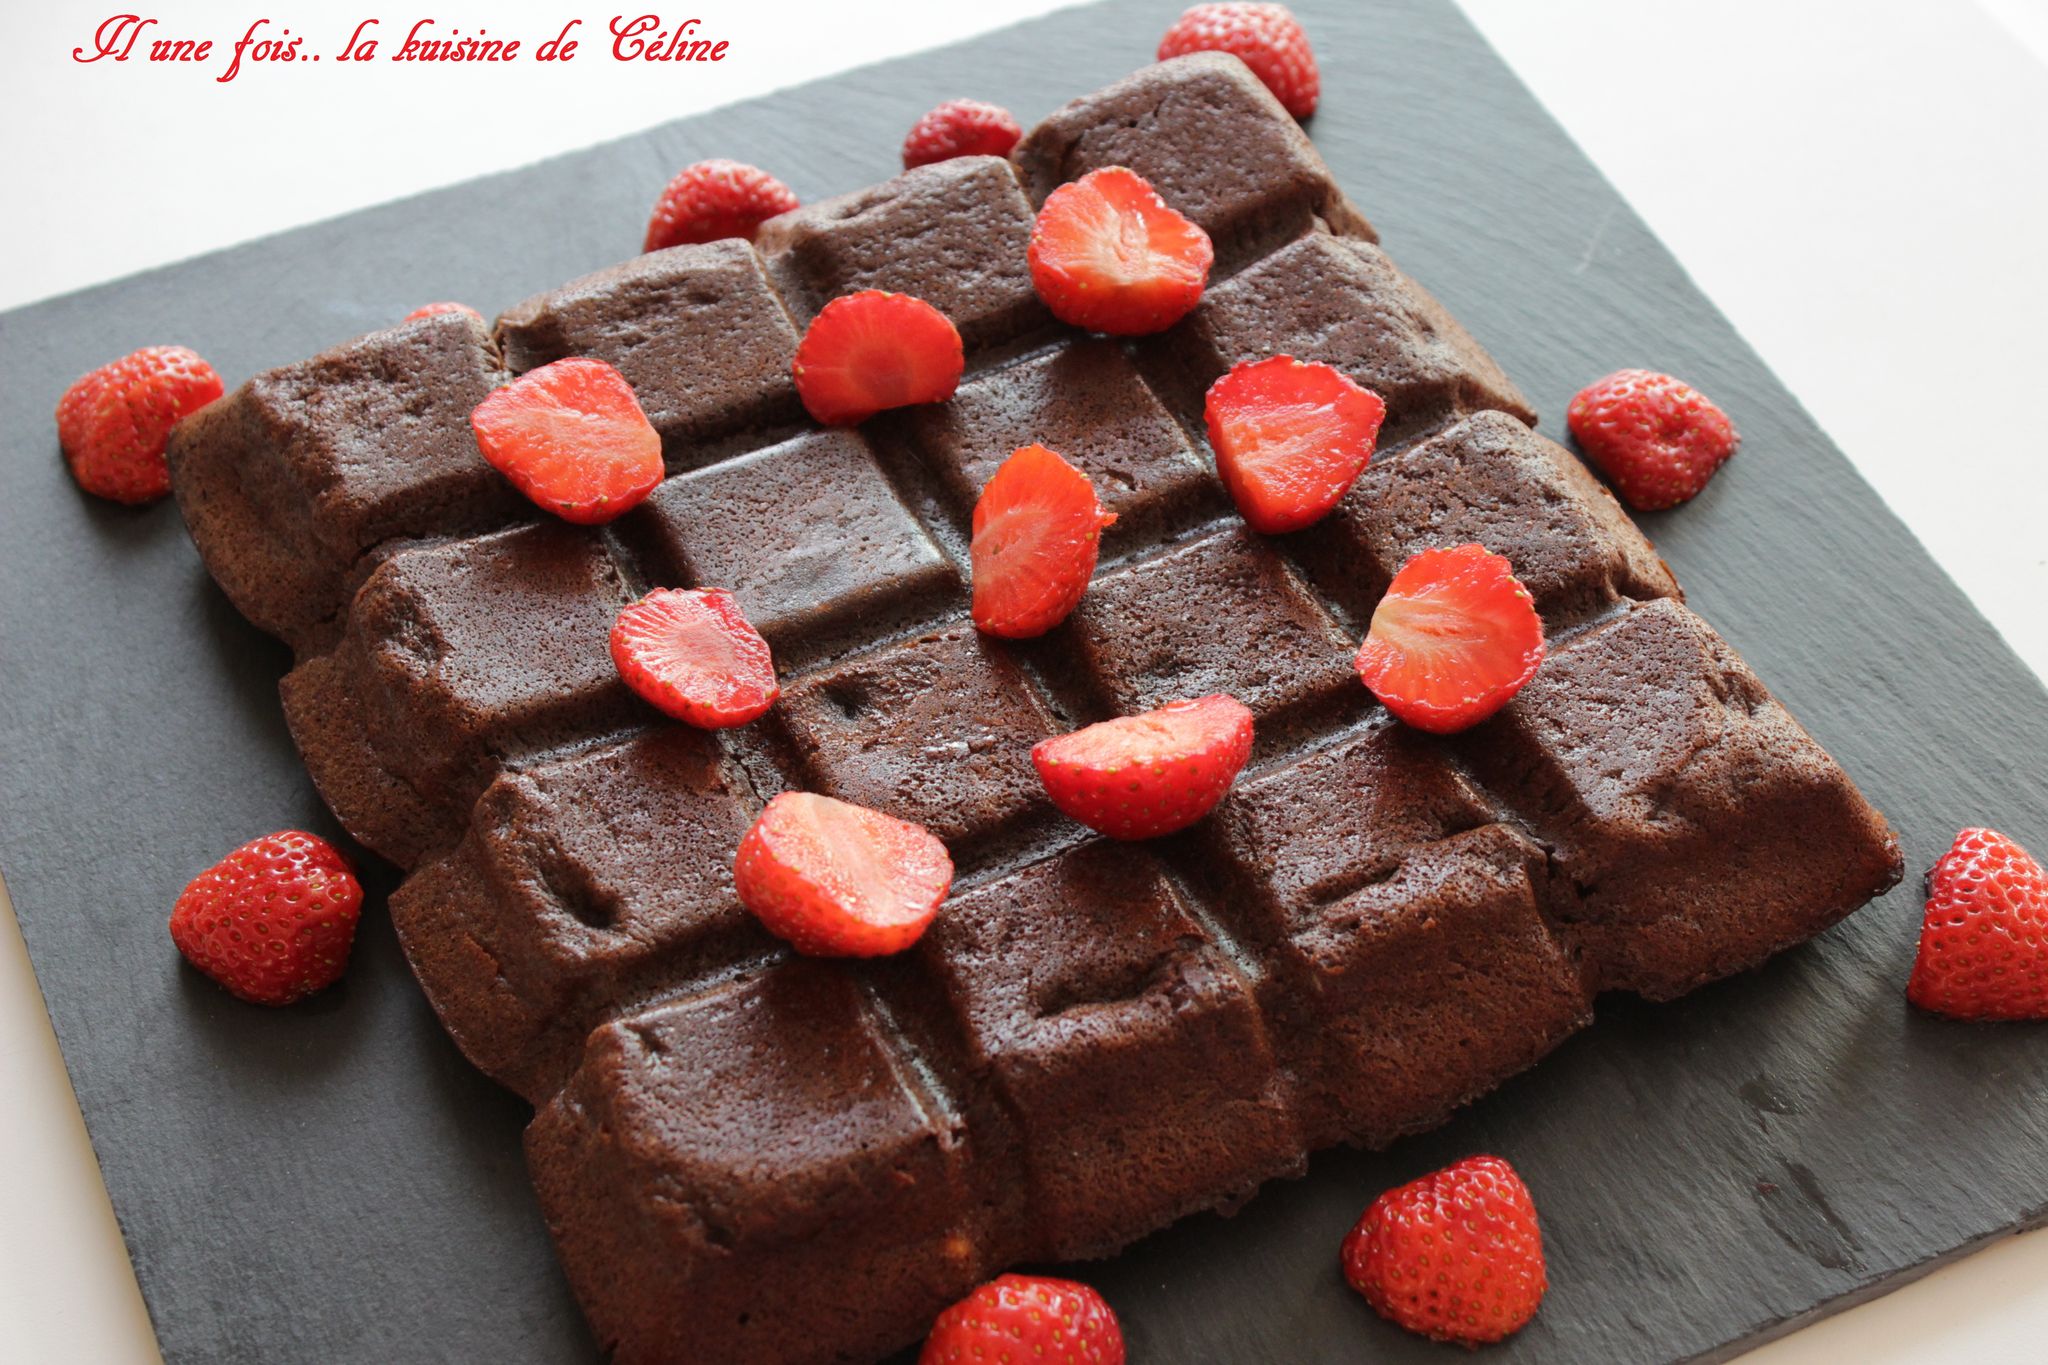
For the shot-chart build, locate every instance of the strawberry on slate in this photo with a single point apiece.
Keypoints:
(1290, 439)
(873, 350)
(1138, 777)
(1984, 940)
(1453, 640)
(839, 880)
(433, 310)
(694, 655)
(1456, 1255)
(714, 199)
(571, 436)
(1037, 528)
(961, 128)
(1108, 254)
(273, 921)
(1026, 1320)
(113, 422)
(1266, 38)
(1657, 439)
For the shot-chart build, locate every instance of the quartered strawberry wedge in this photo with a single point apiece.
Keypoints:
(1108, 254)
(873, 350)
(1138, 777)
(694, 655)
(1453, 640)
(571, 436)
(839, 880)
(1037, 528)
(1291, 437)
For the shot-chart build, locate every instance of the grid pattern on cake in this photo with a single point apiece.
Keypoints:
(1093, 1040)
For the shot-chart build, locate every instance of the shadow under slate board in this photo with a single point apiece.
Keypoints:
(332, 1183)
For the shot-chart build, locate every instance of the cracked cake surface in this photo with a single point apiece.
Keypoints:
(746, 1154)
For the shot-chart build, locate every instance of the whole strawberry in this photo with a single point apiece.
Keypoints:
(1456, 1255)
(272, 921)
(113, 422)
(1984, 940)
(434, 310)
(714, 199)
(1266, 38)
(1024, 1318)
(1657, 439)
(960, 128)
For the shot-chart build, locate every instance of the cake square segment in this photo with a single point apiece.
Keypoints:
(1220, 614)
(953, 233)
(696, 330)
(937, 729)
(456, 656)
(1644, 750)
(289, 480)
(1085, 401)
(750, 1173)
(1345, 304)
(1489, 480)
(581, 884)
(1211, 140)
(1121, 1037)
(807, 535)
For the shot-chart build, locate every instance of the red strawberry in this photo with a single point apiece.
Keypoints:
(961, 128)
(1984, 941)
(1657, 439)
(1290, 439)
(873, 350)
(434, 310)
(1026, 1318)
(840, 880)
(1456, 1255)
(113, 422)
(694, 655)
(714, 199)
(1267, 38)
(571, 436)
(1108, 254)
(1137, 777)
(1453, 640)
(273, 920)
(1037, 527)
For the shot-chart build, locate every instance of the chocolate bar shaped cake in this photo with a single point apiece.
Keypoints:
(748, 1155)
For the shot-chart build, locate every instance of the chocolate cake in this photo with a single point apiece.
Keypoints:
(748, 1155)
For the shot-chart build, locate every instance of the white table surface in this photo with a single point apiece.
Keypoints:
(1861, 185)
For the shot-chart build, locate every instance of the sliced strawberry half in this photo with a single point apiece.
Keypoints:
(1291, 437)
(571, 436)
(1037, 529)
(873, 350)
(693, 654)
(1108, 254)
(1453, 640)
(1138, 777)
(839, 880)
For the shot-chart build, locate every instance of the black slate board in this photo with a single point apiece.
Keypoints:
(333, 1184)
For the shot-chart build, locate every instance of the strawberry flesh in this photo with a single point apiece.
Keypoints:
(1108, 254)
(873, 350)
(694, 655)
(1037, 529)
(1456, 1255)
(1138, 777)
(1452, 641)
(1290, 439)
(838, 880)
(1984, 938)
(571, 436)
